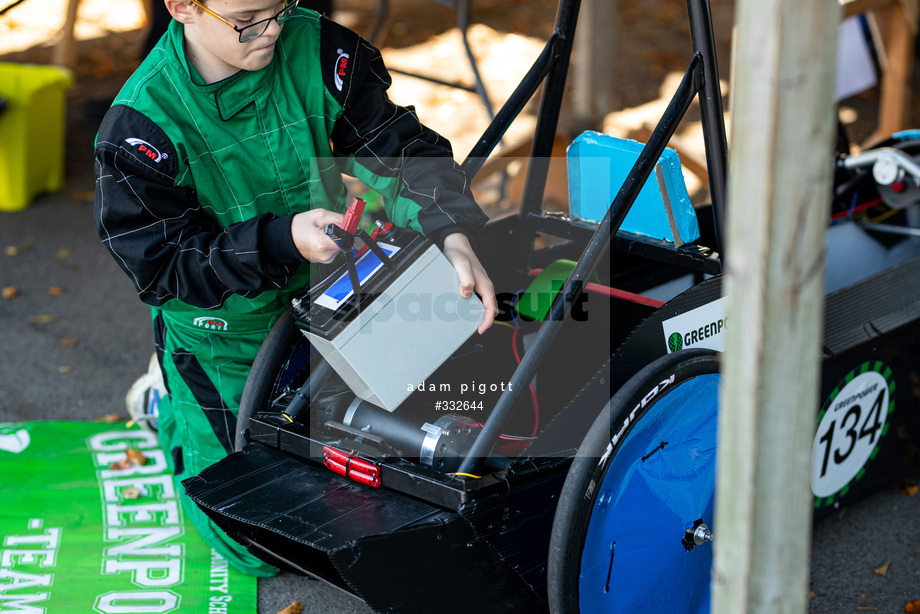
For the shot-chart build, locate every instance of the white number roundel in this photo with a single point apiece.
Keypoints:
(849, 429)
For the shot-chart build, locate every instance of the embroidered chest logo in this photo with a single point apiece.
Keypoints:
(145, 148)
(341, 63)
(210, 323)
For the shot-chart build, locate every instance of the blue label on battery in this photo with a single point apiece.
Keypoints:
(341, 290)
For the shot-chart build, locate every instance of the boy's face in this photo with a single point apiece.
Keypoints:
(214, 48)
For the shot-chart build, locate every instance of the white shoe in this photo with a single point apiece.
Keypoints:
(143, 398)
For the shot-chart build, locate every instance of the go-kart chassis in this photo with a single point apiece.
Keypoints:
(426, 540)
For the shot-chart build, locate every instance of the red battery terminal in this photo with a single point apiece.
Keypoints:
(381, 229)
(353, 216)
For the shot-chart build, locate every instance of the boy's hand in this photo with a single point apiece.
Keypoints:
(309, 238)
(473, 276)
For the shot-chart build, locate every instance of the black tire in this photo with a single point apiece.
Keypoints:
(262, 382)
(610, 431)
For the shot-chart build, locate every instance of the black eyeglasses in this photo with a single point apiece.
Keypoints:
(257, 29)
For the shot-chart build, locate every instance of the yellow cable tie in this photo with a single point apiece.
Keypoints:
(287, 416)
(469, 475)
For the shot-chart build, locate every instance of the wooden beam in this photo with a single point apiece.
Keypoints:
(778, 207)
(855, 7)
(897, 28)
(65, 50)
(593, 63)
(897, 21)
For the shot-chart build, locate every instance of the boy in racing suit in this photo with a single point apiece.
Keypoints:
(217, 168)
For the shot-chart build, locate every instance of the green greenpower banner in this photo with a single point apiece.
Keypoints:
(79, 535)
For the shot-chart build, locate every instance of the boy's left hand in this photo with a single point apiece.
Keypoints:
(473, 276)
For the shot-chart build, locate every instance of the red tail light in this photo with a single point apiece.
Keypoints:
(349, 465)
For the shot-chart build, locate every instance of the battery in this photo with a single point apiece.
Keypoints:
(404, 322)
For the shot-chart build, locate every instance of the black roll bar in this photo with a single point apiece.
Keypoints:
(711, 108)
(689, 87)
(702, 77)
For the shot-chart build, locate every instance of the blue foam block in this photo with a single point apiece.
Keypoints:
(597, 167)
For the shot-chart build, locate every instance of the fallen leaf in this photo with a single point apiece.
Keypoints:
(911, 490)
(69, 343)
(119, 465)
(296, 607)
(55, 291)
(82, 196)
(866, 608)
(883, 568)
(10, 292)
(64, 253)
(129, 492)
(12, 250)
(64, 369)
(912, 607)
(110, 418)
(135, 457)
(104, 67)
(43, 318)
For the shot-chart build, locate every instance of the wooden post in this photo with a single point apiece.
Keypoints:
(778, 208)
(594, 63)
(898, 30)
(65, 50)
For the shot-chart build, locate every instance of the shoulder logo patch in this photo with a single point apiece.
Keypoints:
(147, 149)
(341, 63)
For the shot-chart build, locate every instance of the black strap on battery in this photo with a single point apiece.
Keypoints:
(346, 244)
(376, 249)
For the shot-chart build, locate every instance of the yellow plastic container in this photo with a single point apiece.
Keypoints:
(31, 132)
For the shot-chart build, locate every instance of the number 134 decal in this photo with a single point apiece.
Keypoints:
(850, 427)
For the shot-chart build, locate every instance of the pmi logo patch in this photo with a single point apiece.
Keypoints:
(207, 323)
(146, 149)
(341, 63)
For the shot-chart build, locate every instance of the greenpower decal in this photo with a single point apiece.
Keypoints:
(84, 532)
(703, 327)
(850, 427)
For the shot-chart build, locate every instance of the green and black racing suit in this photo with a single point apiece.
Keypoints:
(196, 186)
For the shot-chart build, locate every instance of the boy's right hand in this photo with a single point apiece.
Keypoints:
(309, 238)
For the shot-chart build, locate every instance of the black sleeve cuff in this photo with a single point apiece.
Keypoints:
(277, 234)
(438, 236)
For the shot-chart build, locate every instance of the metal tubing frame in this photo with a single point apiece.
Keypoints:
(551, 103)
(545, 134)
(510, 110)
(462, 8)
(552, 65)
(714, 139)
(689, 87)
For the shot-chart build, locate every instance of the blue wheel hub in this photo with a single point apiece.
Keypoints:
(647, 545)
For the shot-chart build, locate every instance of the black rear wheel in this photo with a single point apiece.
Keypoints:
(635, 514)
(281, 366)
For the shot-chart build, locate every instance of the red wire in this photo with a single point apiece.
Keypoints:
(862, 207)
(614, 292)
(509, 437)
(533, 393)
